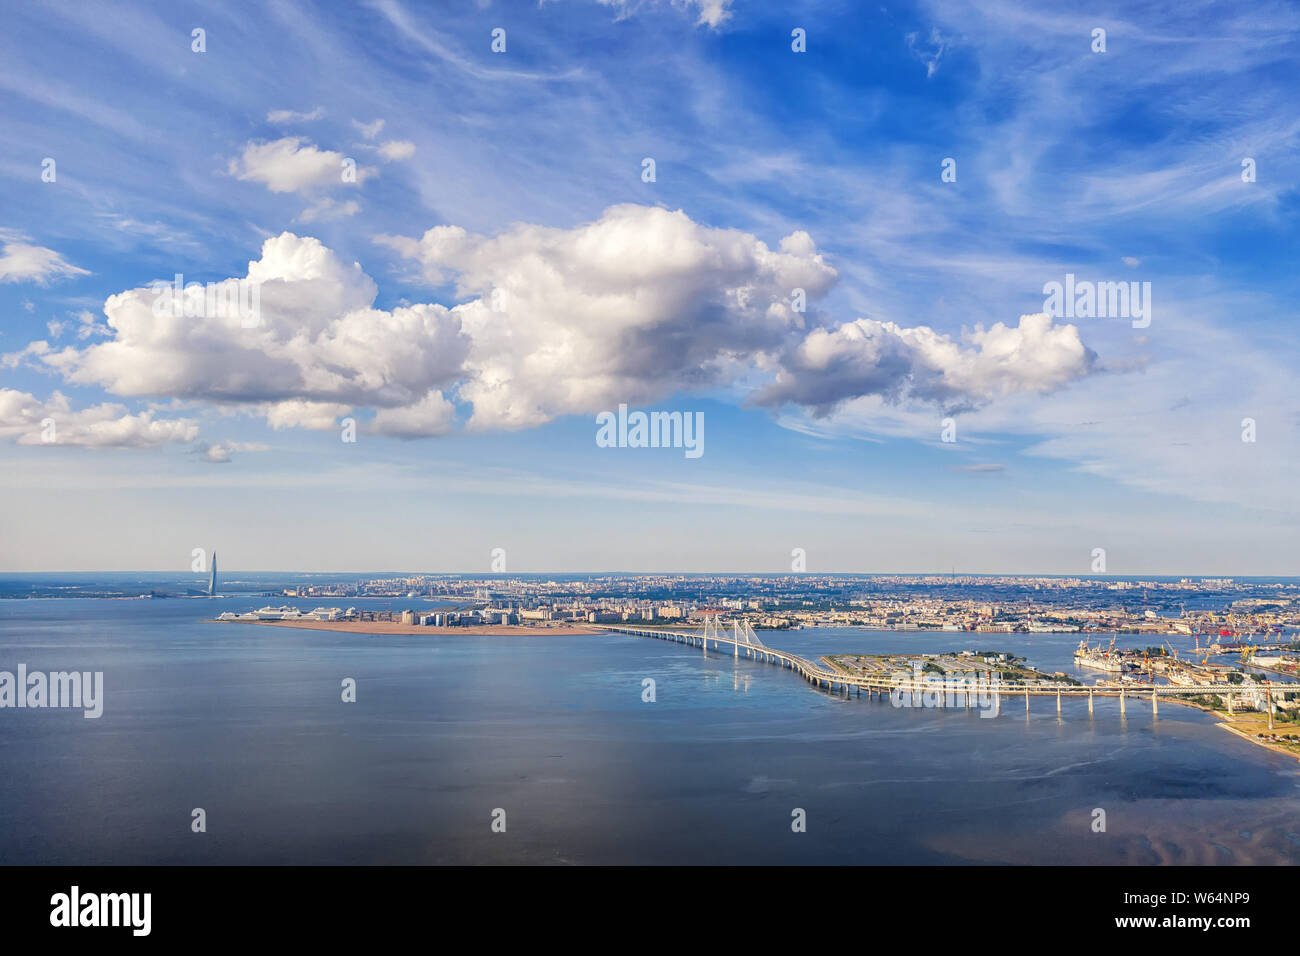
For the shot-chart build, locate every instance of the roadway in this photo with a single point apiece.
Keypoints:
(957, 691)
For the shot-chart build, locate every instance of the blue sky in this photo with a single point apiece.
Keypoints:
(520, 174)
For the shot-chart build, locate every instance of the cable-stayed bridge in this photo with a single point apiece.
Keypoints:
(949, 690)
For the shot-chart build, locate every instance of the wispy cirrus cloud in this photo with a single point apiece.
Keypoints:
(426, 38)
(281, 117)
(22, 261)
(1125, 165)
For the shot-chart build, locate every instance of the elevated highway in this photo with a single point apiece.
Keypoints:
(925, 689)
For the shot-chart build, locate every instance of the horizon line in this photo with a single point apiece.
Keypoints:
(730, 573)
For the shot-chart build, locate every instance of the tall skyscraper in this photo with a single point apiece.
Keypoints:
(212, 580)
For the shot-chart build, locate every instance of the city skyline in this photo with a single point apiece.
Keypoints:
(501, 270)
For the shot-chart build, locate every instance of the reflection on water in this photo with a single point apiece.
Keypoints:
(247, 723)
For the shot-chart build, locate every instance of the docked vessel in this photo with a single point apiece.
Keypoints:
(1098, 658)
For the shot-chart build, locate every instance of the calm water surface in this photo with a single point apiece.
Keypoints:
(247, 723)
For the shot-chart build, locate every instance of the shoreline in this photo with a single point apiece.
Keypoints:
(1226, 722)
(380, 628)
(393, 627)
(1267, 744)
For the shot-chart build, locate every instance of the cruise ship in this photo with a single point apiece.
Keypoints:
(286, 613)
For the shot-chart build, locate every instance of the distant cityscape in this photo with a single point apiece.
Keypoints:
(1219, 608)
(1244, 653)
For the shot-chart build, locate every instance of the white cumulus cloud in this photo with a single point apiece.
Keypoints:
(629, 308)
(319, 343)
(292, 164)
(869, 357)
(431, 416)
(396, 149)
(55, 423)
(218, 453)
(633, 307)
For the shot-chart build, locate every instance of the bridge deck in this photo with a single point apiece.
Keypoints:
(817, 674)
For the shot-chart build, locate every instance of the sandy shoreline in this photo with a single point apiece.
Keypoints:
(391, 627)
(1268, 744)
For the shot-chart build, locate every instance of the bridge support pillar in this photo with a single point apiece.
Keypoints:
(1026, 703)
(1155, 709)
(1058, 702)
(1270, 710)
(1229, 696)
(1121, 702)
(1089, 703)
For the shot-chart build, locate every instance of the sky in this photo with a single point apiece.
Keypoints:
(829, 232)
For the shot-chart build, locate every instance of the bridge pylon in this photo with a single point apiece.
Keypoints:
(709, 630)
